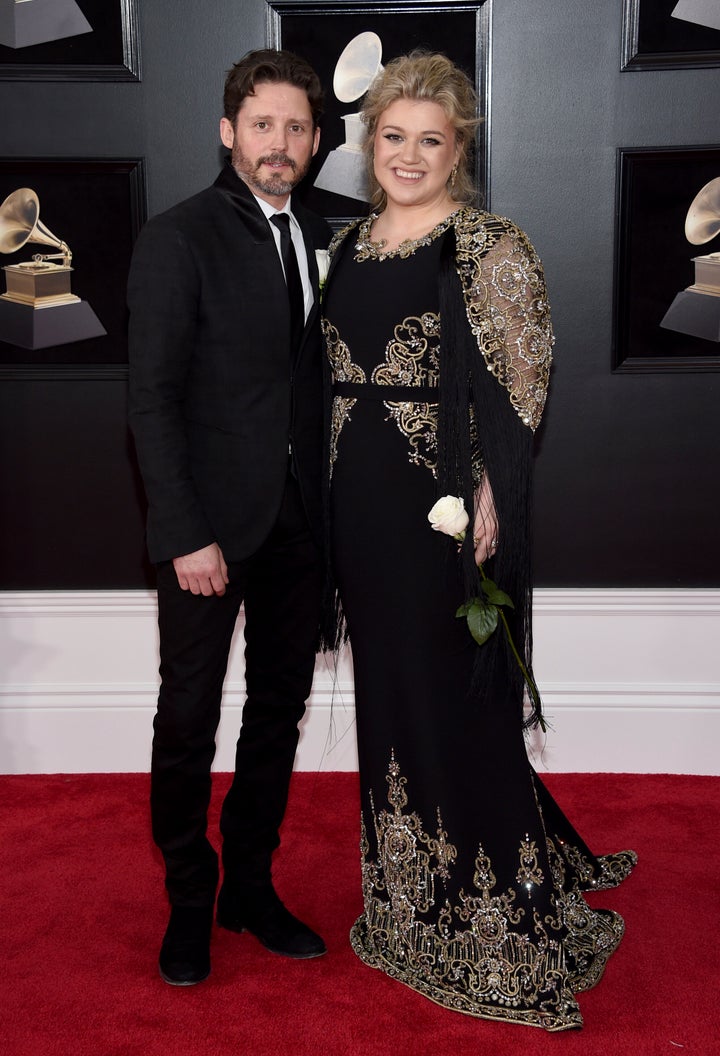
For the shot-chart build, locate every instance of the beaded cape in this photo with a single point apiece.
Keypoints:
(503, 288)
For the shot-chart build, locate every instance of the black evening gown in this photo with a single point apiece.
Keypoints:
(472, 876)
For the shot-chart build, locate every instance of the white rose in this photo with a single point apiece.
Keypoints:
(449, 515)
(323, 264)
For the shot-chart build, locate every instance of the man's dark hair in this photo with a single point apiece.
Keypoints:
(274, 67)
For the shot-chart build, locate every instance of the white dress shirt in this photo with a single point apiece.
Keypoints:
(298, 243)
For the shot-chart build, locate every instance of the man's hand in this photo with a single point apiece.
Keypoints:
(202, 572)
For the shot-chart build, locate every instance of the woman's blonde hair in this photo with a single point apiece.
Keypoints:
(432, 78)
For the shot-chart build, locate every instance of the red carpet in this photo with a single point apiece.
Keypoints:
(83, 914)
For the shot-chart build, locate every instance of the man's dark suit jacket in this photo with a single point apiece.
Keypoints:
(215, 398)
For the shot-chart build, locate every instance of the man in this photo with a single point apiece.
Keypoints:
(226, 410)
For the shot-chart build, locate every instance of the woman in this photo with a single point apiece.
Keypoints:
(438, 339)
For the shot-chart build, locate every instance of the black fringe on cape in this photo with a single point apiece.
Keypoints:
(506, 450)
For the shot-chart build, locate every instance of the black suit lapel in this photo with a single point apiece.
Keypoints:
(243, 203)
(241, 200)
(240, 197)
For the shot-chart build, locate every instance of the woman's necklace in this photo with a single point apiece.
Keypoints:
(369, 247)
(379, 244)
(418, 235)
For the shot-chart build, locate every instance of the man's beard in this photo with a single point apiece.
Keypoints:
(274, 184)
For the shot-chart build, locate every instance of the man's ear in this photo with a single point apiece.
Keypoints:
(227, 133)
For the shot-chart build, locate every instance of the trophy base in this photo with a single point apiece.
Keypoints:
(701, 12)
(54, 324)
(38, 284)
(343, 172)
(39, 21)
(694, 313)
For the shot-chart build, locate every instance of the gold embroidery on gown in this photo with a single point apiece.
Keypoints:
(411, 358)
(592, 934)
(436, 917)
(343, 369)
(506, 305)
(614, 868)
(489, 968)
(366, 249)
(505, 299)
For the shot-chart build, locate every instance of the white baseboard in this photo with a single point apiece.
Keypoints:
(629, 679)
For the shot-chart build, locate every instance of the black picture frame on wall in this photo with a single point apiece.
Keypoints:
(653, 40)
(320, 30)
(654, 260)
(97, 206)
(109, 52)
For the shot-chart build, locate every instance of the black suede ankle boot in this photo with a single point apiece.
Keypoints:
(185, 951)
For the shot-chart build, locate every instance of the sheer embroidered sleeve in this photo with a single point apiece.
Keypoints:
(506, 304)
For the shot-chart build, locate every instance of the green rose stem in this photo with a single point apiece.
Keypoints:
(529, 680)
(482, 616)
(450, 517)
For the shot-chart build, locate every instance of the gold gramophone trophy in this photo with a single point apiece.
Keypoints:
(343, 171)
(696, 309)
(39, 308)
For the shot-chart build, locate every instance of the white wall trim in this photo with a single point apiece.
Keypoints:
(629, 679)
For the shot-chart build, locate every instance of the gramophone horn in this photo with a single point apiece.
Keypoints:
(703, 219)
(20, 223)
(357, 67)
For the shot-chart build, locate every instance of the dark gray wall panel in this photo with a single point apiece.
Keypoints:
(626, 465)
(72, 508)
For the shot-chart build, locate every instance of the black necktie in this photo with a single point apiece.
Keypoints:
(292, 278)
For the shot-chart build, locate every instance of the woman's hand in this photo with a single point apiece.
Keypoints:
(485, 529)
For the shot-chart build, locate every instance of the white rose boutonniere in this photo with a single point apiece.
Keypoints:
(323, 265)
(482, 613)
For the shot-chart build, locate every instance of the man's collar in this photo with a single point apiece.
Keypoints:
(243, 201)
(272, 210)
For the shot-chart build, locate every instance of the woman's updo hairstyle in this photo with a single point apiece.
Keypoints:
(432, 78)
